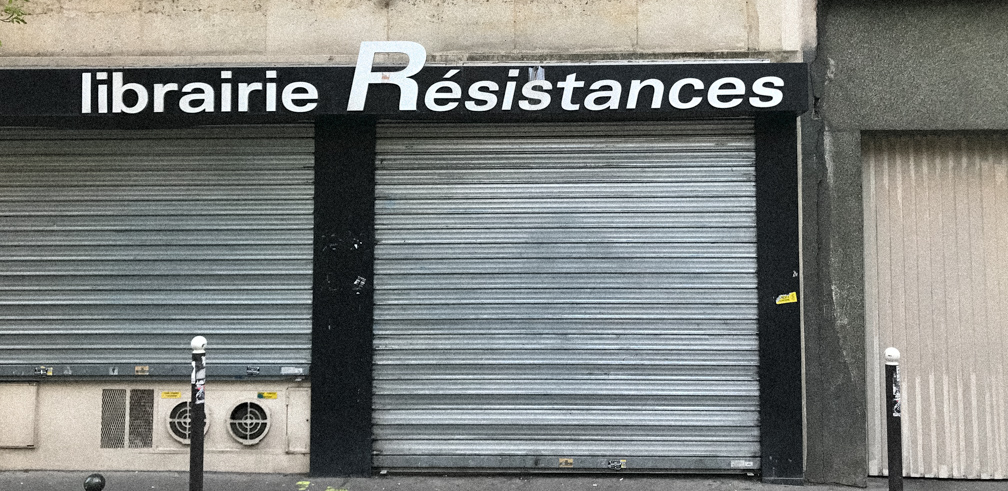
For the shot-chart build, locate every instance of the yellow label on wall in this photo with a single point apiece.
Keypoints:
(789, 298)
(171, 395)
(267, 395)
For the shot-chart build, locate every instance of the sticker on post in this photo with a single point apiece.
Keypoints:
(199, 379)
(897, 410)
(787, 298)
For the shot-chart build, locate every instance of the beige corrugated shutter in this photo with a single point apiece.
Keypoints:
(936, 274)
(118, 247)
(566, 291)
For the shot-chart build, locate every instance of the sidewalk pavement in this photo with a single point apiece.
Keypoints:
(179, 481)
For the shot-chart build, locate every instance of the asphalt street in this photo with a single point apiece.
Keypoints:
(178, 481)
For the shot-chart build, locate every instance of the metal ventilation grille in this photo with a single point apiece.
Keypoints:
(180, 422)
(113, 428)
(141, 418)
(248, 423)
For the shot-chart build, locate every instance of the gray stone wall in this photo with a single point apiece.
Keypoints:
(187, 32)
(896, 65)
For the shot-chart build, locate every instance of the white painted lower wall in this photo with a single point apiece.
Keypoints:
(65, 421)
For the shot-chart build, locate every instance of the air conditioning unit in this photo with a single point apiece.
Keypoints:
(237, 420)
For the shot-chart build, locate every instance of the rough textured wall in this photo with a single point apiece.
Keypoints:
(916, 65)
(73, 32)
(895, 65)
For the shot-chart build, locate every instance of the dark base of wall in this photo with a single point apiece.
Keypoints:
(787, 481)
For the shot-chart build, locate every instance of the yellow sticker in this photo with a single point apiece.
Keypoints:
(171, 395)
(267, 395)
(566, 463)
(141, 370)
(789, 298)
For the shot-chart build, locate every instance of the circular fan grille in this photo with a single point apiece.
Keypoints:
(180, 422)
(248, 423)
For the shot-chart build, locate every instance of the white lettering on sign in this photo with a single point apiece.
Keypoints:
(193, 97)
(718, 90)
(114, 92)
(486, 97)
(434, 93)
(676, 100)
(118, 90)
(541, 97)
(364, 77)
(760, 89)
(657, 91)
(568, 85)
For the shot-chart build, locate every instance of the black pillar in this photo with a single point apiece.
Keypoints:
(343, 301)
(197, 414)
(779, 313)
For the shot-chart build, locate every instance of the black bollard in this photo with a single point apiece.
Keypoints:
(94, 482)
(197, 413)
(894, 424)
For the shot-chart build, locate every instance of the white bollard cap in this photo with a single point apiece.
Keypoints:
(198, 344)
(892, 356)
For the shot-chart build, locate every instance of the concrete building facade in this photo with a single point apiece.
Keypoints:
(330, 32)
(312, 193)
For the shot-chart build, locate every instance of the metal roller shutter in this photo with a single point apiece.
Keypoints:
(936, 280)
(119, 246)
(547, 292)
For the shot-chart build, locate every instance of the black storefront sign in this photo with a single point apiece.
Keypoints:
(414, 91)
